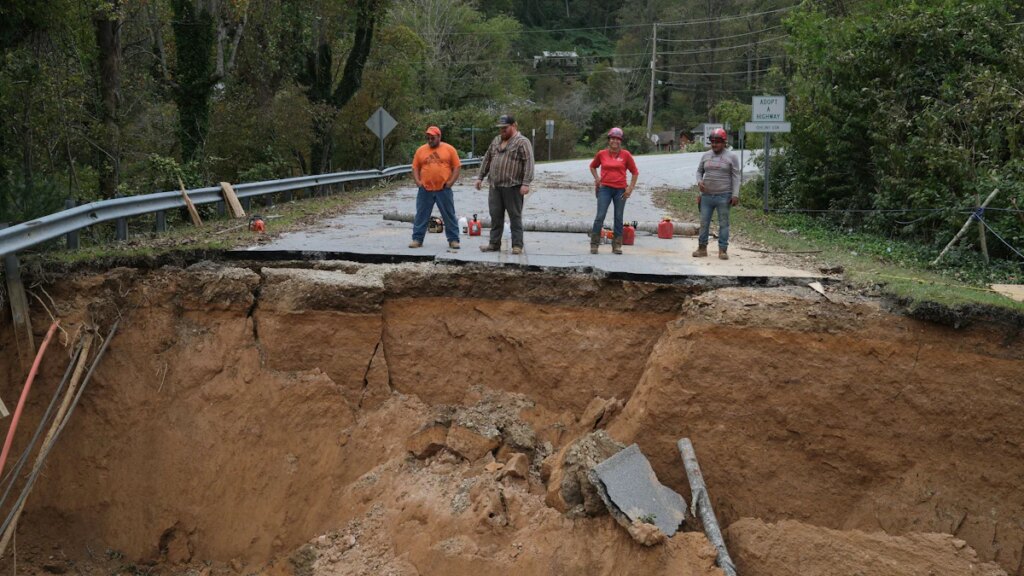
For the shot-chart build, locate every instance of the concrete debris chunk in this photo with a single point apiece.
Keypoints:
(632, 492)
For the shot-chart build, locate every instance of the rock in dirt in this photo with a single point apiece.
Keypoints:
(427, 441)
(569, 487)
(599, 413)
(470, 444)
(646, 534)
(518, 466)
(790, 547)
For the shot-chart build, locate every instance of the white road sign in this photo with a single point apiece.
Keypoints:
(753, 127)
(381, 123)
(769, 109)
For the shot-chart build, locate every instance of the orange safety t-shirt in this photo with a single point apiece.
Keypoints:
(435, 165)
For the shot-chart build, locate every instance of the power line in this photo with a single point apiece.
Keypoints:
(614, 55)
(733, 61)
(737, 73)
(752, 33)
(624, 26)
(723, 48)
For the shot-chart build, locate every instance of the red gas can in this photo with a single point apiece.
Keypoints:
(474, 226)
(665, 229)
(629, 234)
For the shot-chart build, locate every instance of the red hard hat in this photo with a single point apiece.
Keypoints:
(718, 133)
(615, 133)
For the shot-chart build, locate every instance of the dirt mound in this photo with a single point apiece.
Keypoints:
(842, 416)
(790, 547)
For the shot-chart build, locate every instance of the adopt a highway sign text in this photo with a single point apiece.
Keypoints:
(754, 127)
(768, 109)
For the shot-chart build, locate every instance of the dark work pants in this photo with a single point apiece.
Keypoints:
(506, 199)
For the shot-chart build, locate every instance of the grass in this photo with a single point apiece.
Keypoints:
(901, 269)
(216, 234)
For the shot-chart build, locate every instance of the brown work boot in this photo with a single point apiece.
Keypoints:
(617, 245)
(415, 244)
(517, 250)
(489, 248)
(723, 253)
(700, 252)
(454, 244)
(595, 242)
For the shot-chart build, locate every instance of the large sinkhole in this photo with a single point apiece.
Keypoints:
(255, 419)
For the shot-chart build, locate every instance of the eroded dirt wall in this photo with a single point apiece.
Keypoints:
(840, 416)
(563, 357)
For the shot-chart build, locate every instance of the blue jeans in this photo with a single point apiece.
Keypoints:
(708, 204)
(606, 196)
(445, 200)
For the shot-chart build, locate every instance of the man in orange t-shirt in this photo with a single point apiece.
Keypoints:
(435, 167)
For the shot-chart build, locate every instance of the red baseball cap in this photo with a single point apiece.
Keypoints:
(434, 131)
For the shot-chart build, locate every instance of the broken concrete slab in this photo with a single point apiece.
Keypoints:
(631, 487)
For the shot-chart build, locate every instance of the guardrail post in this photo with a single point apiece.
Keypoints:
(268, 200)
(287, 196)
(71, 237)
(161, 221)
(342, 187)
(221, 209)
(25, 341)
(246, 204)
(122, 225)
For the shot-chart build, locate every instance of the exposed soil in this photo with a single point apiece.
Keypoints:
(374, 419)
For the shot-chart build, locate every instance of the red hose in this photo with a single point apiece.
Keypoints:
(24, 395)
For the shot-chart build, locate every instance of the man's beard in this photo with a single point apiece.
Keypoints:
(434, 143)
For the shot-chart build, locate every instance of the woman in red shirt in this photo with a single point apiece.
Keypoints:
(610, 187)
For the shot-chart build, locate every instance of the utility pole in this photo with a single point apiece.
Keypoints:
(654, 58)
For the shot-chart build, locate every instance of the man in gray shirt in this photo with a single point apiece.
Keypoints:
(509, 165)
(719, 182)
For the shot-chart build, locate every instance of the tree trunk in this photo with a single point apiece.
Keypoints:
(194, 37)
(108, 40)
(319, 80)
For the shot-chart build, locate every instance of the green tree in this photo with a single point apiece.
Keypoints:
(913, 106)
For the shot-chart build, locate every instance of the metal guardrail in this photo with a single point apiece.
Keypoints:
(33, 232)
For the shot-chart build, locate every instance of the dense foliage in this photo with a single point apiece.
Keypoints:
(909, 106)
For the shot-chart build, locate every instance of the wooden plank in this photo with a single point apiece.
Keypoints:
(196, 220)
(232, 200)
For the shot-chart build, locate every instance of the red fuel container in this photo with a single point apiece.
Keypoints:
(665, 229)
(628, 234)
(474, 226)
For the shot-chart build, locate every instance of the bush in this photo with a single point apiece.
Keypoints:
(917, 106)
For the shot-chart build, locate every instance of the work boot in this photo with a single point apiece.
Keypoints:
(701, 252)
(595, 242)
(517, 250)
(454, 244)
(617, 245)
(415, 244)
(723, 253)
(489, 248)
